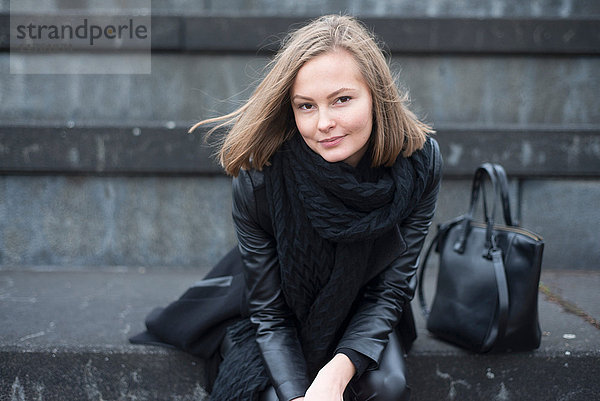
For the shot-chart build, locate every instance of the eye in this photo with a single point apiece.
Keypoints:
(305, 106)
(343, 99)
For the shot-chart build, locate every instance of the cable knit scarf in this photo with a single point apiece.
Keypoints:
(326, 217)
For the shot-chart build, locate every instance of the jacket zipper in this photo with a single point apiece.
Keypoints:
(512, 229)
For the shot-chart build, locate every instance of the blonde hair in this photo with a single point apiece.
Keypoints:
(266, 121)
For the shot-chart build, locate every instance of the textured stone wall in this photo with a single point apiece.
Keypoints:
(445, 90)
(127, 221)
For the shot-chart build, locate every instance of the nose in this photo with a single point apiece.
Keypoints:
(326, 122)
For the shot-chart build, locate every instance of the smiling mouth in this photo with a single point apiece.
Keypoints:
(331, 140)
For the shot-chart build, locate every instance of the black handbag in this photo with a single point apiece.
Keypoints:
(487, 286)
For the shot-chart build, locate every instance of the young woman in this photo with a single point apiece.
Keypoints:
(335, 187)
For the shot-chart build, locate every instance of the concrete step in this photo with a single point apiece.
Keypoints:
(64, 337)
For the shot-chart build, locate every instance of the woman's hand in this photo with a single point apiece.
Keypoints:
(331, 381)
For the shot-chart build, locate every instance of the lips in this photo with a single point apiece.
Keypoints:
(331, 142)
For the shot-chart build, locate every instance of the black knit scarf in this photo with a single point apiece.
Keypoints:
(326, 217)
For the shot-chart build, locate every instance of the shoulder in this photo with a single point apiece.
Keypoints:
(249, 198)
(433, 155)
(247, 182)
(436, 157)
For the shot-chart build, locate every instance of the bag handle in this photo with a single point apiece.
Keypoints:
(503, 186)
(486, 169)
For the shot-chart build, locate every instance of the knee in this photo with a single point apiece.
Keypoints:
(393, 387)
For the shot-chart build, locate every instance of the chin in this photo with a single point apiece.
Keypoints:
(333, 158)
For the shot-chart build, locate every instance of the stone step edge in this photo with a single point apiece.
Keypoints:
(420, 35)
(130, 349)
(152, 150)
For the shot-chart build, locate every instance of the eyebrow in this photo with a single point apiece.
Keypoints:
(331, 95)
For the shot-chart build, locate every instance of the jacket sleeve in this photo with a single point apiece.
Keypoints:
(385, 296)
(276, 331)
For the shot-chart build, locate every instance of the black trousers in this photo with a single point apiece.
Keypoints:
(387, 383)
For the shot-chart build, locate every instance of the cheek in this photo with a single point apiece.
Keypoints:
(360, 117)
(304, 125)
(361, 122)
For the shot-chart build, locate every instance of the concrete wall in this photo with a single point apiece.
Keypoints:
(177, 222)
(77, 222)
(446, 90)
(65, 221)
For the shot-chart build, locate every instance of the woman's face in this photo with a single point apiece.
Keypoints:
(333, 107)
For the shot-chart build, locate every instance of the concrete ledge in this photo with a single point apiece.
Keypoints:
(431, 35)
(535, 377)
(538, 151)
(407, 35)
(100, 374)
(68, 340)
(137, 150)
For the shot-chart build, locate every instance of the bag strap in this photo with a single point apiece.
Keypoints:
(500, 323)
(420, 291)
(501, 319)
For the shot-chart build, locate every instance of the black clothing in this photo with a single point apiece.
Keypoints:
(387, 383)
(326, 218)
(242, 375)
(385, 290)
(196, 322)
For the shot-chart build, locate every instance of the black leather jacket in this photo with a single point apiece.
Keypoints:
(377, 311)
